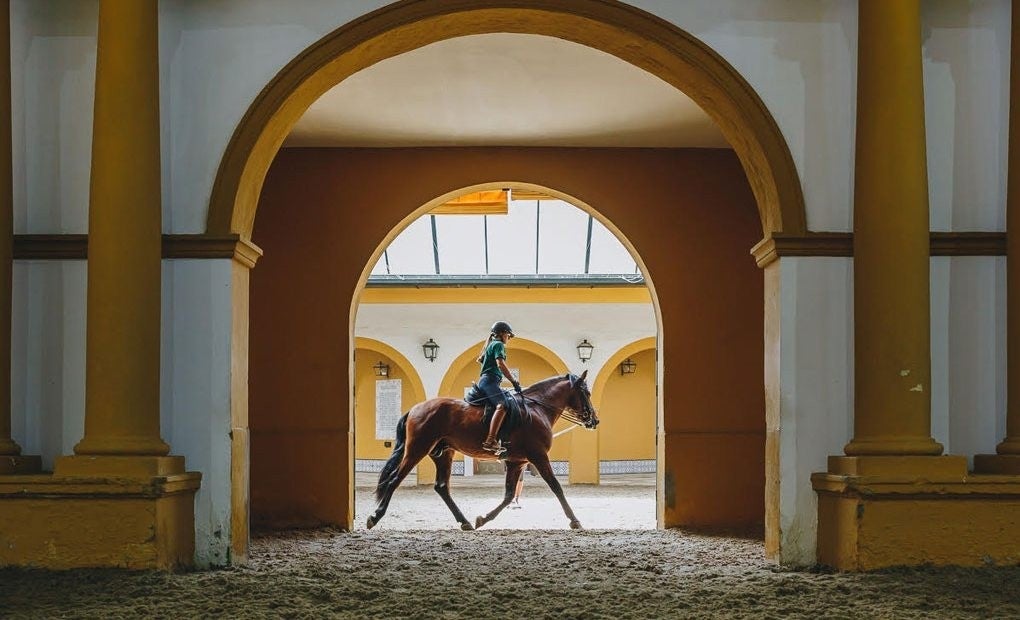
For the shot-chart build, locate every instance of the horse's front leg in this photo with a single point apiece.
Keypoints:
(513, 474)
(541, 463)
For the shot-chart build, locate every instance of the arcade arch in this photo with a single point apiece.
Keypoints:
(632, 35)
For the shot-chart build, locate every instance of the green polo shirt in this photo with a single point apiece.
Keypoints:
(496, 350)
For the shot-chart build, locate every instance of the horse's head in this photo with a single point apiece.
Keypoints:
(579, 401)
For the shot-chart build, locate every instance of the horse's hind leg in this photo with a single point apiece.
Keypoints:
(444, 466)
(545, 470)
(513, 474)
(412, 454)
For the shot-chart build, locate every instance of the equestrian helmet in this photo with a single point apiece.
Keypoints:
(502, 327)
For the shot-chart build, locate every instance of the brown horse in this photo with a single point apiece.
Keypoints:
(440, 426)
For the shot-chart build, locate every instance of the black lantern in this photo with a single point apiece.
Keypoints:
(628, 366)
(584, 350)
(381, 369)
(430, 349)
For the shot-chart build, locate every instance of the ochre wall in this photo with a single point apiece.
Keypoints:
(627, 413)
(366, 446)
(688, 212)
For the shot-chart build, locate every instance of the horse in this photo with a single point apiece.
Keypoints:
(440, 426)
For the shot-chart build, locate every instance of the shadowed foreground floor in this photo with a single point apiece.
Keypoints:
(509, 573)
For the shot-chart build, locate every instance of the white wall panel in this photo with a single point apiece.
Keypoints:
(48, 357)
(816, 398)
(196, 391)
(966, 72)
(976, 356)
(53, 66)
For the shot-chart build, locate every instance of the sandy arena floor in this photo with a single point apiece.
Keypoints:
(417, 564)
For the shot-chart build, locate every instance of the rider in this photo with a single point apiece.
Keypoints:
(493, 361)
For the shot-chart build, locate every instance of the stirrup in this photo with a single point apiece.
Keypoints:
(494, 446)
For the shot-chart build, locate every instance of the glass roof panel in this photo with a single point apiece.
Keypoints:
(563, 237)
(512, 248)
(512, 240)
(607, 253)
(461, 244)
(411, 251)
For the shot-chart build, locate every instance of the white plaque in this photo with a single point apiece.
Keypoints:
(387, 408)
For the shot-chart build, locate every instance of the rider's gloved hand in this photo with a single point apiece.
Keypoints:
(517, 387)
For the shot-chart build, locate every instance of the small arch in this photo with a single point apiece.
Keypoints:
(635, 36)
(371, 344)
(598, 387)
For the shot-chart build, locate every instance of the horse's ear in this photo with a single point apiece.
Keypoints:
(583, 375)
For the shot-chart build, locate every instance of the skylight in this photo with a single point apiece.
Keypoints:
(543, 239)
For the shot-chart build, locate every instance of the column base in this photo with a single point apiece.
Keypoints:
(118, 466)
(59, 522)
(20, 464)
(872, 522)
(997, 464)
(931, 468)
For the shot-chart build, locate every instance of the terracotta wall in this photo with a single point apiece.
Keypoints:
(689, 213)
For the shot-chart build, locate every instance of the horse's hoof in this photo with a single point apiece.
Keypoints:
(466, 526)
(576, 525)
(371, 522)
(479, 522)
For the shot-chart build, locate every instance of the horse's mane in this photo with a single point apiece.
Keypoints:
(546, 383)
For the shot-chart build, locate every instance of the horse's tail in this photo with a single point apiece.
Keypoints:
(394, 460)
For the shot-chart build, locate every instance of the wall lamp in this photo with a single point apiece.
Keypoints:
(584, 350)
(430, 349)
(381, 369)
(628, 366)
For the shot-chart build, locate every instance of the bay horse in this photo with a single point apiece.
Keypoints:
(440, 426)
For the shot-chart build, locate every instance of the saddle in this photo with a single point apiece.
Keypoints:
(514, 412)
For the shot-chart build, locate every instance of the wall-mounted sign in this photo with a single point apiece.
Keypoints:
(387, 408)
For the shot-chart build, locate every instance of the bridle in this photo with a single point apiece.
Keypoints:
(586, 417)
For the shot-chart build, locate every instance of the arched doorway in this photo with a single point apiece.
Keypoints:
(632, 35)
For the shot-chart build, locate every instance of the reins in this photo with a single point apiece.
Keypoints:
(565, 412)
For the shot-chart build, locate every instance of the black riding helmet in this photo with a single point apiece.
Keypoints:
(502, 327)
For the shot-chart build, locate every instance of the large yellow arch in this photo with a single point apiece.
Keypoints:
(598, 387)
(647, 42)
(371, 344)
(546, 354)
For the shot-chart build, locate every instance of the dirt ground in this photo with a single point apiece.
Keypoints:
(418, 564)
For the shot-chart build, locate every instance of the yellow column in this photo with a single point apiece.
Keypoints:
(584, 456)
(10, 461)
(123, 331)
(891, 239)
(7, 445)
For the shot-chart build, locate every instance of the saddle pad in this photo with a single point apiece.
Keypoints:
(514, 414)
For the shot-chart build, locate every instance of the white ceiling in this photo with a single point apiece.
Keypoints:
(505, 90)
